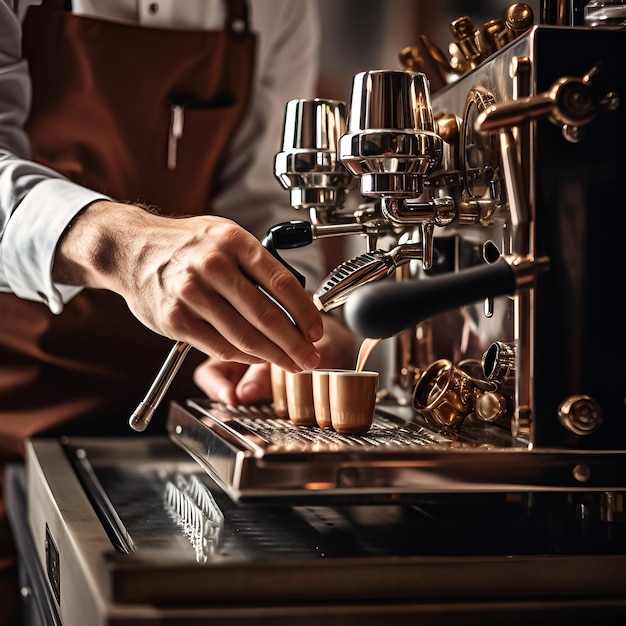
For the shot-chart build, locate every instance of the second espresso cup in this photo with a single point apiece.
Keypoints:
(299, 387)
(321, 399)
(352, 400)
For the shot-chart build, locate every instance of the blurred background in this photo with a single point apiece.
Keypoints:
(359, 35)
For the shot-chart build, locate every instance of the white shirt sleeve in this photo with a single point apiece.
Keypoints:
(37, 204)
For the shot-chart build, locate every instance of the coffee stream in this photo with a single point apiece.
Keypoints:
(367, 346)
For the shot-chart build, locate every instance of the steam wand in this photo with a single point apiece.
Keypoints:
(142, 415)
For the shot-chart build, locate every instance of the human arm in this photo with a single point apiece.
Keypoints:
(36, 203)
(287, 69)
(132, 252)
(196, 280)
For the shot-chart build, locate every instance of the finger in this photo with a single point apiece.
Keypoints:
(264, 270)
(211, 342)
(254, 385)
(257, 328)
(218, 379)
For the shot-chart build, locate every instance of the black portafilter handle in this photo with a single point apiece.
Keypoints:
(384, 309)
(285, 236)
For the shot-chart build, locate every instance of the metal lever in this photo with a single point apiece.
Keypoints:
(286, 236)
(570, 103)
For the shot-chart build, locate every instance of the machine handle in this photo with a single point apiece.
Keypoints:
(385, 309)
(285, 236)
(571, 102)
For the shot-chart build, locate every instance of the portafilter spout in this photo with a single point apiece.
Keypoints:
(366, 268)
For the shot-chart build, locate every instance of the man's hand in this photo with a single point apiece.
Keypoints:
(195, 280)
(235, 383)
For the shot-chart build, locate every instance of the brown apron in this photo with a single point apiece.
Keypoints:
(103, 98)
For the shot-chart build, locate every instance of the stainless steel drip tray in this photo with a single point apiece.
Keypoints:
(135, 530)
(253, 454)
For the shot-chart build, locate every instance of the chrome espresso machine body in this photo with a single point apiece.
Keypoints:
(490, 487)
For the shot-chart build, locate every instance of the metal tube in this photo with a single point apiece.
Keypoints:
(142, 415)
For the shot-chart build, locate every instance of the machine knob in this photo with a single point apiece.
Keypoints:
(490, 406)
(580, 414)
(519, 18)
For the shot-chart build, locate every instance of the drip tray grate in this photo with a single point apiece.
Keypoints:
(252, 454)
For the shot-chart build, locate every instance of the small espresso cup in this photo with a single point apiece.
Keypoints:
(352, 400)
(321, 399)
(299, 387)
(279, 390)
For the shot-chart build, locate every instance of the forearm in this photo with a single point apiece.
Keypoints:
(101, 245)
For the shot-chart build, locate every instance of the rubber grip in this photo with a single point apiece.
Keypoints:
(285, 236)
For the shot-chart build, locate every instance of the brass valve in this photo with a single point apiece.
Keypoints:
(571, 103)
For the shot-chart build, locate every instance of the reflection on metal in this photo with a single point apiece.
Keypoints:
(358, 563)
(195, 509)
(445, 394)
(503, 184)
(308, 166)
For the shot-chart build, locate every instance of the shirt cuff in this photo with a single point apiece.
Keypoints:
(32, 235)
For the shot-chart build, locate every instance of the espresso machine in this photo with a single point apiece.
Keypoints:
(490, 487)
(496, 286)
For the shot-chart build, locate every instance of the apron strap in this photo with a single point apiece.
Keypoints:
(237, 22)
